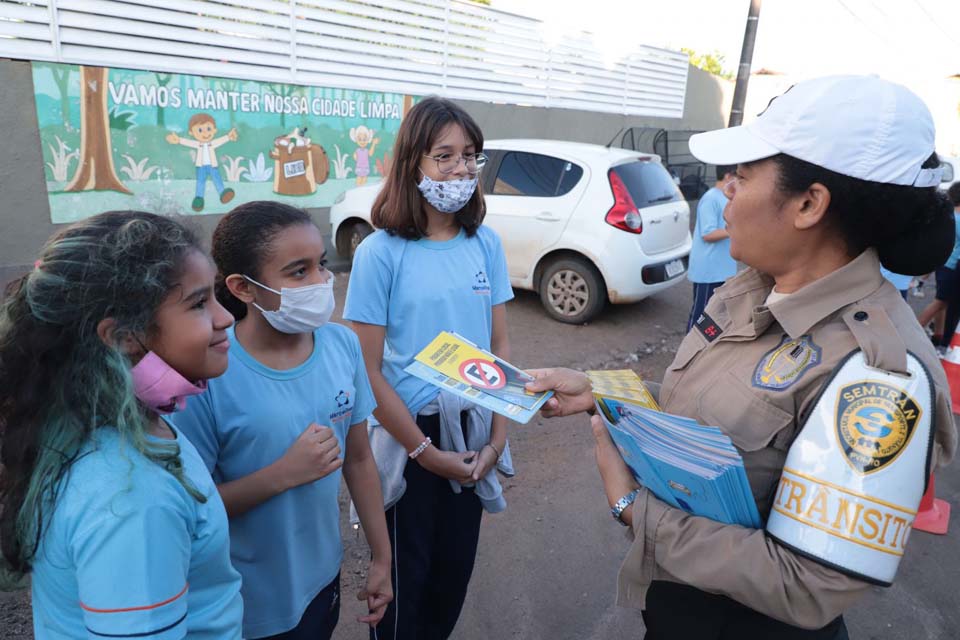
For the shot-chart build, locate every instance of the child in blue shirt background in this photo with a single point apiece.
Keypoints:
(108, 507)
(272, 428)
(944, 311)
(431, 267)
(710, 261)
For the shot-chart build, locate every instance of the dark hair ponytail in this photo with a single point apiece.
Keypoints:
(241, 243)
(912, 228)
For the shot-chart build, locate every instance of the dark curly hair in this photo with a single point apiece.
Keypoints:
(912, 228)
(58, 380)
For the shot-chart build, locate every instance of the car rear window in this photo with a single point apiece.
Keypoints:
(535, 175)
(648, 183)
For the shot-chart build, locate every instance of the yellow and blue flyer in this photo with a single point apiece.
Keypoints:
(623, 385)
(455, 364)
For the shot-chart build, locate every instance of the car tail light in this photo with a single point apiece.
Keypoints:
(623, 214)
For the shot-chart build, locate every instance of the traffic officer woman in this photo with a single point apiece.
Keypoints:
(812, 364)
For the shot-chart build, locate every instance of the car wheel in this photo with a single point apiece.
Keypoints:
(354, 236)
(572, 290)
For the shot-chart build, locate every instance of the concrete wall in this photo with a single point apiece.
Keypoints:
(25, 214)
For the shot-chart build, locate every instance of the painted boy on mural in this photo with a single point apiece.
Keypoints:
(203, 128)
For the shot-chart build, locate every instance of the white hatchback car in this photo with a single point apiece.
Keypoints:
(951, 171)
(580, 223)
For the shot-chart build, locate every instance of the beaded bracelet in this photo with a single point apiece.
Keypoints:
(423, 447)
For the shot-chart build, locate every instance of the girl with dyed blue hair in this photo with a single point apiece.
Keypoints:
(102, 501)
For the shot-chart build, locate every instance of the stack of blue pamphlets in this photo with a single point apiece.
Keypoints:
(687, 465)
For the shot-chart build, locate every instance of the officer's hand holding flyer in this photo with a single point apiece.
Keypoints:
(455, 364)
(687, 465)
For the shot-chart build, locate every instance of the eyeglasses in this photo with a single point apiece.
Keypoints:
(447, 162)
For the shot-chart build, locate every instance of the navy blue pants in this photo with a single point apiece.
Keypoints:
(948, 290)
(434, 534)
(701, 295)
(320, 618)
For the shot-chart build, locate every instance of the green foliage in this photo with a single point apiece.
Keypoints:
(710, 62)
(122, 120)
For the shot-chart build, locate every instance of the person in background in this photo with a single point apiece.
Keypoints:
(944, 311)
(898, 280)
(710, 261)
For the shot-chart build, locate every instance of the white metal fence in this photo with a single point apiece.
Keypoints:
(448, 47)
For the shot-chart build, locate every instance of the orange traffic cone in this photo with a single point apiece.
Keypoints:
(934, 513)
(951, 366)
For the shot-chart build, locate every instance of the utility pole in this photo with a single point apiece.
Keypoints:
(746, 57)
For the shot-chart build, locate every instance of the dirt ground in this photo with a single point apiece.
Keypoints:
(547, 566)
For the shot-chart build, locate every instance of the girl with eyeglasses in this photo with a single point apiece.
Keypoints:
(432, 266)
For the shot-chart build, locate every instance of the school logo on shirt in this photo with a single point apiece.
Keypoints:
(781, 367)
(344, 410)
(875, 422)
(481, 285)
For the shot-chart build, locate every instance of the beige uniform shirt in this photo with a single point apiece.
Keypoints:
(755, 371)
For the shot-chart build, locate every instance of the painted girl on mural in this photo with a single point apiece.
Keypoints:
(363, 137)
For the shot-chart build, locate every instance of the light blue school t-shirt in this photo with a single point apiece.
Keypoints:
(288, 548)
(128, 553)
(955, 255)
(710, 261)
(898, 280)
(418, 288)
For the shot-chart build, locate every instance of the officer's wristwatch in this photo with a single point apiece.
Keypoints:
(622, 504)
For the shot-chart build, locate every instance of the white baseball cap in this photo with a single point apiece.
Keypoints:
(858, 126)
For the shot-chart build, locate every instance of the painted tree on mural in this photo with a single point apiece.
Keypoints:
(228, 85)
(96, 170)
(163, 79)
(286, 91)
(61, 75)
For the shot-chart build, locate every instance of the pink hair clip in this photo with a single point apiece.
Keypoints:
(36, 265)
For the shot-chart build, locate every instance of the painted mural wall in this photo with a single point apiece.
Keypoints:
(174, 143)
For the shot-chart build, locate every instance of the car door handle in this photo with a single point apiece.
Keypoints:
(546, 216)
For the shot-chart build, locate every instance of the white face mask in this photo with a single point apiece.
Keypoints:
(447, 196)
(302, 309)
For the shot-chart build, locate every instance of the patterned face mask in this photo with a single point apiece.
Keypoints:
(447, 196)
